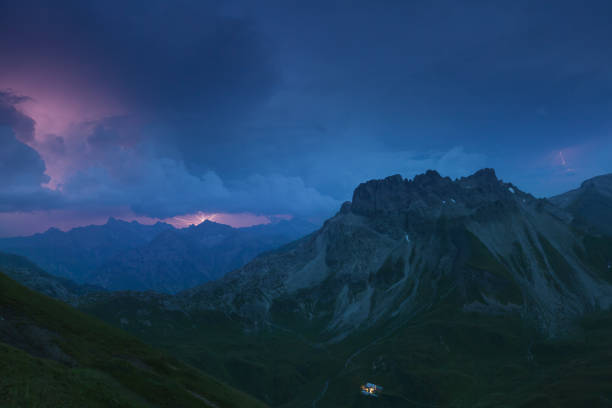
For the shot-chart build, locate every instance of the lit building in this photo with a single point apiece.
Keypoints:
(371, 390)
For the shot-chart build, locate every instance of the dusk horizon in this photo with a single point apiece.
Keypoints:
(235, 220)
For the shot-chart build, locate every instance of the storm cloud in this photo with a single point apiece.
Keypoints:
(167, 108)
(22, 173)
(10, 116)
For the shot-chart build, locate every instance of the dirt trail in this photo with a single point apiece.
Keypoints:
(206, 401)
(316, 400)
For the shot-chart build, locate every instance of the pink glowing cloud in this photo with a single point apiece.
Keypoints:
(66, 111)
(59, 102)
(66, 108)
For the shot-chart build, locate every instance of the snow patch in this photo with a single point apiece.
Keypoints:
(511, 190)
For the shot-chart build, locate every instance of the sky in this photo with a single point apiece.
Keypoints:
(246, 112)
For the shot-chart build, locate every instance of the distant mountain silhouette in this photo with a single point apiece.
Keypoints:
(122, 255)
(178, 259)
(75, 254)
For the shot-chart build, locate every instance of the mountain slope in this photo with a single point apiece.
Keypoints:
(54, 355)
(591, 204)
(30, 275)
(444, 358)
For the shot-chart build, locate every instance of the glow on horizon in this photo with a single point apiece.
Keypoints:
(28, 223)
(236, 220)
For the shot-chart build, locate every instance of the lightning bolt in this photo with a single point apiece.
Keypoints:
(563, 162)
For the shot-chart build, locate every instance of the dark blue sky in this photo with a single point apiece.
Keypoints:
(153, 109)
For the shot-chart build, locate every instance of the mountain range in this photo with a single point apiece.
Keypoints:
(448, 293)
(74, 254)
(402, 246)
(122, 255)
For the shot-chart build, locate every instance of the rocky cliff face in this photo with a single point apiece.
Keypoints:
(402, 247)
(430, 194)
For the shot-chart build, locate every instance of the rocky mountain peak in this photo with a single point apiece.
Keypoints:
(428, 178)
(482, 178)
(211, 227)
(429, 192)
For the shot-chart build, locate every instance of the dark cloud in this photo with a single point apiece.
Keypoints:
(20, 165)
(420, 77)
(22, 172)
(22, 124)
(109, 170)
(153, 184)
(179, 58)
(193, 71)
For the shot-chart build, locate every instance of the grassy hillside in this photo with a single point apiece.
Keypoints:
(450, 359)
(53, 355)
(32, 276)
(270, 363)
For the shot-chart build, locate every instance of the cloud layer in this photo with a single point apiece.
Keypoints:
(156, 108)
